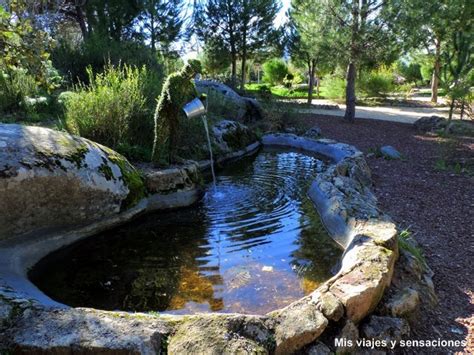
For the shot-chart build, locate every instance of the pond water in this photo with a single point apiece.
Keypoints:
(253, 245)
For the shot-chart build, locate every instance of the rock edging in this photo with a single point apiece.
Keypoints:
(348, 209)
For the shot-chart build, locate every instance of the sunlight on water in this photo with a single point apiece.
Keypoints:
(253, 245)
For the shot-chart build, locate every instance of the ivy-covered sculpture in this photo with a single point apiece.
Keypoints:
(178, 90)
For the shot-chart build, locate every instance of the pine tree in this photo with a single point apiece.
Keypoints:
(161, 22)
(310, 38)
(242, 26)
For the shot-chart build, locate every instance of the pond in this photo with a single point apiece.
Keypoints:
(253, 244)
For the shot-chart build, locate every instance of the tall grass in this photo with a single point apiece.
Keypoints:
(112, 108)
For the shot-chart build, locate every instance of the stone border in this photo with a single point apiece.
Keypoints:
(348, 209)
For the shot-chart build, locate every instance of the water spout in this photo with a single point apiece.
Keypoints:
(204, 121)
(195, 108)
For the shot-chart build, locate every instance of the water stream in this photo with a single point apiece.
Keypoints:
(206, 127)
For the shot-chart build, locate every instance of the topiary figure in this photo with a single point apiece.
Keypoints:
(178, 90)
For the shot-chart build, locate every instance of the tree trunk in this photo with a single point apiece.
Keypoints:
(243, 78)
(152, 29)
(311, 81)
(317, 86)
(81, 21)
(244, 60)
(436, 69)
(349, 115)
(350, 93)
(234, 70)
(450, 117)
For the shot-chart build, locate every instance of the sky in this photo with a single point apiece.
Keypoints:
(280, 18)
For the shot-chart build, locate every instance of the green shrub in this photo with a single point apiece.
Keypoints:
(274, 71)
(264, 92)
(404, 89)
(297, 78)
(288, 80)
(376, 83)
(111, 109)
(333, 87)
(15, 87)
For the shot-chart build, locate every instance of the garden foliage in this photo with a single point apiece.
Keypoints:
(274, 71)
(112, 108)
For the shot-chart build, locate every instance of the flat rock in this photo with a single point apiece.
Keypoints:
(385, 328)
(87, 331)
(164, 181)
(361, 286)
(430, 123)
(298, 326)
(313, 132)
(390, 152)
(215, 334)
(319, 349)
(403, 303)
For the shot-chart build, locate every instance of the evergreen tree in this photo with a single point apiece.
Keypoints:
(310, 38)
(429, 25)
(242, 26)
(362, 32)
(160, 23)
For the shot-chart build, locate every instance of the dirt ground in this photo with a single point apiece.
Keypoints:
(430, 193)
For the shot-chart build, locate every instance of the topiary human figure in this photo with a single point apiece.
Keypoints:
(178, 90)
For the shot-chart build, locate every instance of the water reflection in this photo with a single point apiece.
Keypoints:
(253, 245)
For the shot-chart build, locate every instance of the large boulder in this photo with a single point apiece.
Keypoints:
(51, 180)
(244, 109)
(232, 136)
(437, 123)
(430, 123)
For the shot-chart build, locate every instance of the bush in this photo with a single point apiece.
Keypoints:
(411, 72)
(333, 87)
(297, 78)
(112, 109)
(288, 80)
(264, 92)
(274, 71)
(15, 87)
(376, 83)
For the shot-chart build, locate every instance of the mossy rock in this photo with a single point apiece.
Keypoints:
(50, 180)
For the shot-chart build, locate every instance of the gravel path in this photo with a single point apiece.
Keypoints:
(437, 206)
(383, 113)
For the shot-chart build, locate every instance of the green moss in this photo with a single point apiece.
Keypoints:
(239, 139)
(77, 157)
(132, 178)
(106, 171)
(71, 150)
